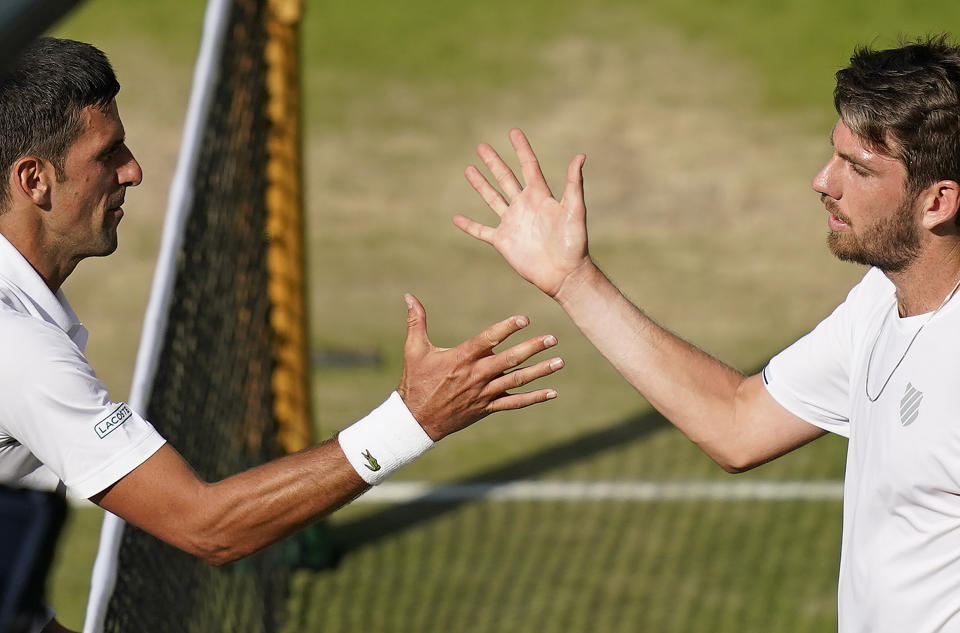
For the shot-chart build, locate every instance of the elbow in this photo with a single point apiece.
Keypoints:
(214, 549)
(220, 559)
(734, 460)
(735, 467)
(736, 449)
(215, 538)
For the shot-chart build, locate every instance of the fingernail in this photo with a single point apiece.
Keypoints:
(551, 394)
(556, 363)
(408, 301)
(523, 321)
(549, 340)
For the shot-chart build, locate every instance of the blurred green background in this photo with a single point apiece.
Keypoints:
(703, 123)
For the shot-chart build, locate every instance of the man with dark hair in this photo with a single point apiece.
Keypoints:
(67, 168)
(881, 369)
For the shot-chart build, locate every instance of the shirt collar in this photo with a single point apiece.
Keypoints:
(53, 307)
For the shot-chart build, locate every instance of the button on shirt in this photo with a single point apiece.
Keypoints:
(58, 425)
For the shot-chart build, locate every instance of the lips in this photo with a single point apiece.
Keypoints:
(835, 223)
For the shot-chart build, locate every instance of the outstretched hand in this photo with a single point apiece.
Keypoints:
(449, 389)
(543, 239)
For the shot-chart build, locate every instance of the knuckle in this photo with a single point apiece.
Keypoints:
(461, 357)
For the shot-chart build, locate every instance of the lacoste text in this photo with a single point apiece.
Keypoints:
(110, 423)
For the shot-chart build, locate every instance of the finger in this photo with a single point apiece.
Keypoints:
(517, 355)
(521, 400)
(573, 190)
(416, 325)
(504, 175)
(529, 165)
(520, 377)
(490, 195)
(482, 232)
(483, 343)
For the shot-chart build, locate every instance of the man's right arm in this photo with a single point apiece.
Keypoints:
(445, 390)
(730, 416)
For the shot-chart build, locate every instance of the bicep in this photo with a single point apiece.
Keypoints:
(160, 496)
(765, 428)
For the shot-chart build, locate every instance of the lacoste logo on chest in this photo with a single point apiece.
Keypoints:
(910, 405)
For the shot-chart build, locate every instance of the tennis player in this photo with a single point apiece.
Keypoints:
(882, 369)
(67, 169)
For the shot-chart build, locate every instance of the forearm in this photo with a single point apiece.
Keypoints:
(693, 390)
(255, 508)
(223, 521)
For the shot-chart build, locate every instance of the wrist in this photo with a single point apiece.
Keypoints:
(384, 441)
(584, 276)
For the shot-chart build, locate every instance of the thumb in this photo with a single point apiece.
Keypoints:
(416, 324)
(573, 190)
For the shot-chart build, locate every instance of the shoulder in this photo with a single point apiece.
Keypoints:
(873, 290)
(11, 297)
(20, 328)
(877, 282)
(31, 343)
(873, 283)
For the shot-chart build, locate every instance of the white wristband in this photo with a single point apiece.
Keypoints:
(384, 441)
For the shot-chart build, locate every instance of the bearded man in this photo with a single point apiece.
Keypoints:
(881, 370)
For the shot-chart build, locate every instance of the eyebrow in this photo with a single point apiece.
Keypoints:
(858, 162)
(112, 146)
(852, 159)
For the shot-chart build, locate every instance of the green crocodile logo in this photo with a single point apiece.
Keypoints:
(372, 463)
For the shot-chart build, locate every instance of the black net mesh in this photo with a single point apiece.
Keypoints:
(211, 396)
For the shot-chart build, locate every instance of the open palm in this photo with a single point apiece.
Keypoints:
(543, 239)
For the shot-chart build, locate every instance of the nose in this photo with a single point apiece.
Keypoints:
(130, 173)
(825, 182)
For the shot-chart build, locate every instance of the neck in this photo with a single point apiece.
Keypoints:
(928, 282)
(28, 238)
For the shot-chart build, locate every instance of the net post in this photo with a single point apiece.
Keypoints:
(286, 286)
(286, 260)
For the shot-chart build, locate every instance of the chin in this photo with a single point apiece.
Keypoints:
(107, 248)
(846, 252)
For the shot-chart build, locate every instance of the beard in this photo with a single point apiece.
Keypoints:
(891, 244)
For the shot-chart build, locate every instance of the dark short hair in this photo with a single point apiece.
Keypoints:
(906, 103)
(42, 94)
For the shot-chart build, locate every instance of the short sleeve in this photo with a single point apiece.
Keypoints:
(54, 405)
(811, 378)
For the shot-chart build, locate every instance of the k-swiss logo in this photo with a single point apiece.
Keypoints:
(113, 421)
(910, 405)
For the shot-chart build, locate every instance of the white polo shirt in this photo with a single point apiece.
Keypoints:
(58, 426)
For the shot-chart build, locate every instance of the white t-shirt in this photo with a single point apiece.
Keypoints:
(858, 374)
(57, 423)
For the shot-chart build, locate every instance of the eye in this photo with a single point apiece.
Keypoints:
(860, 171)
(112, 151)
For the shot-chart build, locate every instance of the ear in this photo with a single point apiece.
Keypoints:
(941, 202)
(31, 177)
